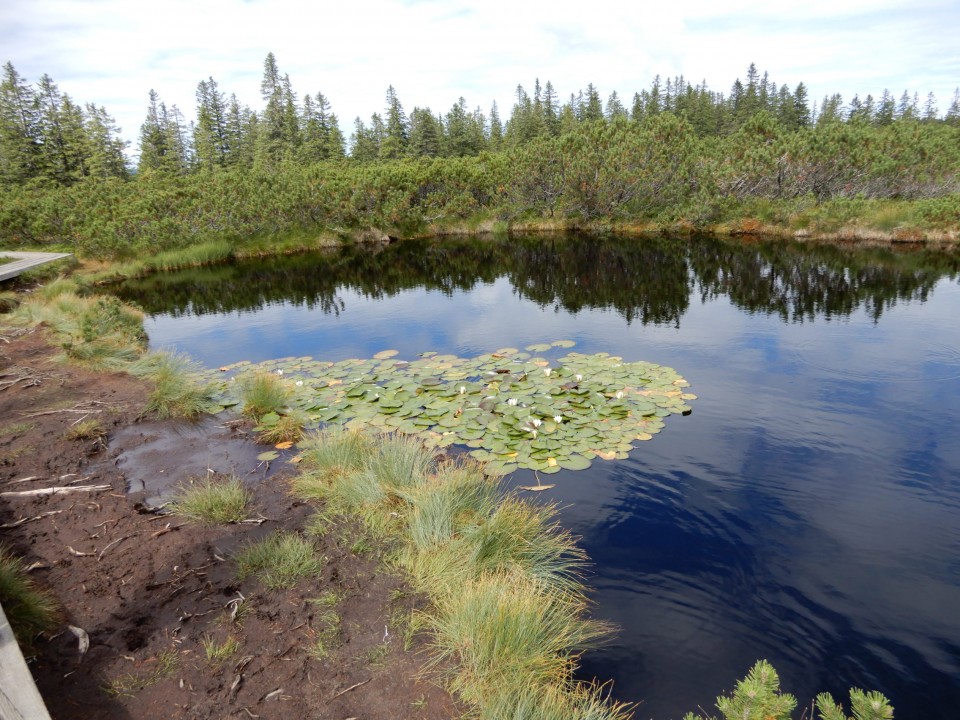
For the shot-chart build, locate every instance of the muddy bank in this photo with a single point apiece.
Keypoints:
(157, 595)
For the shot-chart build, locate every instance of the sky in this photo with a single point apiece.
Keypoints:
(113, 52)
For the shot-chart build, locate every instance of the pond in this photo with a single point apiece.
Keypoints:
(807, 512)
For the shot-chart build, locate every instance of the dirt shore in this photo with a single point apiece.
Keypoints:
(156, 595)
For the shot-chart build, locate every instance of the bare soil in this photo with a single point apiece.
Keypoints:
(153, 591)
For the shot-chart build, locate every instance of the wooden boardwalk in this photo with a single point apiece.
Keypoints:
(24, 261)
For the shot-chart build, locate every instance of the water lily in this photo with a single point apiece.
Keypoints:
(558, 419)
(619, 394)
(547, 371)
(578, 377)
(299, 383)
(280, 373)
(512, 401)
(463, 389)
(536, 422)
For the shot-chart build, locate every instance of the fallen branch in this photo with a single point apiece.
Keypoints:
(25, 520)
(55, 490)
(110, 545)
(77, 553)
(78, 408)
(352, 687)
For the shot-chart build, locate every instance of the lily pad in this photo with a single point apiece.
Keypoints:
(510, 409)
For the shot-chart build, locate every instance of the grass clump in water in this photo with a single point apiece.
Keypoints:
(287, 428)
(176, 392)
(262, 393)
(215, 502)
(279, 560)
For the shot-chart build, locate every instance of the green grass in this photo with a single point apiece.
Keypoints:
(504, 631)
(29, 609)
(97, 332)
(506, 610)
(14, 429)
(129, 684)
(176, 392)
(214, 502)
(262, 393)
(275, 428)
(279, 560)
(218, 653)
(327, 627)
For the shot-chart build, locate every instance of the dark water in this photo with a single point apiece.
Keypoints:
(808, 512)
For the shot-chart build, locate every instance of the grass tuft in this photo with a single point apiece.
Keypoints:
(507, 609)
(275, 428)
(214, 502)
(176, 391)
(279, 560)
(262, 393)
(504, 631)
(29, 610)
(89, 429)
(218, 653)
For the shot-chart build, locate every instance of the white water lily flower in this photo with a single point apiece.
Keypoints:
(547, 371)
(619, 394)
(280, 373)
(536, 422)
(463, 389)
(558, 419)
(512, 401)
(578, 377)
(299, 383)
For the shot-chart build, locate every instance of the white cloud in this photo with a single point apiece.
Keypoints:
(112, 51)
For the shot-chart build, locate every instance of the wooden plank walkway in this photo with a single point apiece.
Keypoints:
(25, 261)
(19, 698)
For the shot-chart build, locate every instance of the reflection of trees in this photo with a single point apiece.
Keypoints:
(800, 281)
(643, 279)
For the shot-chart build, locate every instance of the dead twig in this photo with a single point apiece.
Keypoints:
(112, 544)
(352, 687)
(25, 520)
(55, 490)
(77, 553)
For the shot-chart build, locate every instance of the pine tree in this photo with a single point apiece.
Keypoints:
(615, 108)
(211, 145)
(105, 156)
(550, 109)
(952, 116)
(593, 109)
(153, 136)
(463, 131)
(20, 140)
(426, 135)
(397, 130)
(495, 135)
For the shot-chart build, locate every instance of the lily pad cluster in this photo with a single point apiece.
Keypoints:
(509, 408)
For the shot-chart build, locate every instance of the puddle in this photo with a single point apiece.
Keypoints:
(156, 458)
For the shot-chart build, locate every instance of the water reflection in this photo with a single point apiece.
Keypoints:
(645, 280)
(806, 512)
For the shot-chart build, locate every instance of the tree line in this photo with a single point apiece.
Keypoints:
(46, 136)
(688, 158)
